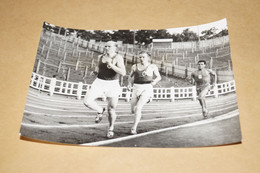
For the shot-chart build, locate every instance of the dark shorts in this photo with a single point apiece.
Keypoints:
(201, 88)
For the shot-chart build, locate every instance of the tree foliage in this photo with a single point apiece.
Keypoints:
(141, 37)
(126, 36)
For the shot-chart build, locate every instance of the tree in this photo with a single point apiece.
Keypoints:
(162, 33)
(188, 35)
(126, 36)
(100, 35)
(84, 34)
(177, 37)
(222, 33)
(145, 36)
(210, 33)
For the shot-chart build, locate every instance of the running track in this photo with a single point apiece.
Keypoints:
(164, 124)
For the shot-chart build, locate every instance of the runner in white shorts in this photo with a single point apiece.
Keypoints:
(142, 78)
(110, 66)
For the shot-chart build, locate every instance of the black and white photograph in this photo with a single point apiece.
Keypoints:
(160, 88)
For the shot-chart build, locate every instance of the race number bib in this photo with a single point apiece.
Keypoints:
(200, 76)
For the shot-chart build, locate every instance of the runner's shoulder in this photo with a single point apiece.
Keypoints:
(118, 56)
(153, 66)
(211, 71)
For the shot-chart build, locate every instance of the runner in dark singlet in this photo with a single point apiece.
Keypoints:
(110, 66)
(141, 76)
(201, 78)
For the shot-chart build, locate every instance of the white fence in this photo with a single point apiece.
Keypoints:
(79, 90)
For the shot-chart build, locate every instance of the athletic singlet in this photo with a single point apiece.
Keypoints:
(202, 77)
(140, 78)
(106, 73)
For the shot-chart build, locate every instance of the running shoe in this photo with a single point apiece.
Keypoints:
(133, 132)
(99, 116)
(110, 134)
(205, 114)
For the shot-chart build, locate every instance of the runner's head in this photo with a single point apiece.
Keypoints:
(111, 47)
(201, 64)
(144, 56)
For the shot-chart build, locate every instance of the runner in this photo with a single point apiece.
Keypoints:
(141, 77)
(202, 78)
(110, 66)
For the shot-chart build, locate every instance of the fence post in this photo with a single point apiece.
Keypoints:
(86, 71)
(68, 75)
(77, 64)
(59, 67)
(79, 90)
(58, 53)
(215, 91)
(52, 86)
(172, 94)
(73, 52)
(211, 63)
(38, 66)
(194, 93)
(47, 55)
(186, 71)
(173, 68)
(64, 57)
(42, 49)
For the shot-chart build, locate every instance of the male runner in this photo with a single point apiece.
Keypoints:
(201, 78)
(110, 66)
(141, 76)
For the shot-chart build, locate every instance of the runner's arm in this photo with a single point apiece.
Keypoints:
(157, 75)
(130, 77)
(215, 76)
(192, 79)
(96, 70)
(120, 67)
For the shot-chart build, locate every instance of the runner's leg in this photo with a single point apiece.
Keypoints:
(90, 102)
(112, 103)
(133, 103)
(201, 98)
(138, 111)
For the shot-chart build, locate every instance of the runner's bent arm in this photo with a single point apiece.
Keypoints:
(192, 79)
(95, 71)
(215, 76)
(120, 67)
(157, 75)
(130, 77)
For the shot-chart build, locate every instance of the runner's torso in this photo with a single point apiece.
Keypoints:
(202, 77)
(141, 77)
(106, 73)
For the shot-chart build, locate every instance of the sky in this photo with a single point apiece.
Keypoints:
(219, 25)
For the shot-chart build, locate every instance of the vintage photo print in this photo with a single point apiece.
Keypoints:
(160, 88)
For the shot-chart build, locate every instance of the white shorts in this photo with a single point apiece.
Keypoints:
(107, 88)
(143, 89)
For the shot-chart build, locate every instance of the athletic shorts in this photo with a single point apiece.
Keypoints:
(143, 89)
(107, 88)
(201, 88)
